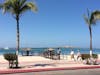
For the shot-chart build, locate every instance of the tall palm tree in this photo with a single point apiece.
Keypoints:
(89, 23)
(16, 8)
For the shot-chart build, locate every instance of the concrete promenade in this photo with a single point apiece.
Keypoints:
(39, 64)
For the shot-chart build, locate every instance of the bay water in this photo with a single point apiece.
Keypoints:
(64, 51)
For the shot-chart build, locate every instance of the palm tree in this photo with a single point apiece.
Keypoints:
(16, 8)
(89, 23)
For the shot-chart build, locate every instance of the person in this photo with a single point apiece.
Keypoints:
(79, 55)
(58, 53)
(72, 55)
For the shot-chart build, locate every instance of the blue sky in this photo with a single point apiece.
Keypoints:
(57, 23)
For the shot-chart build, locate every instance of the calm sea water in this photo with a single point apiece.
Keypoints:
(64, 51)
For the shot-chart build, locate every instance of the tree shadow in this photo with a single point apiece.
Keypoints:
(43, 65)
(39, 65)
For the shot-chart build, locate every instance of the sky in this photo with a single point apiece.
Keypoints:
(57, 23)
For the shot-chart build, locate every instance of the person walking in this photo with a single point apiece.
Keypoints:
(79, 56)
(72, 55)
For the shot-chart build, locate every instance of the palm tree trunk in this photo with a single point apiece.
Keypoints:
(90, 40)
(17, 41)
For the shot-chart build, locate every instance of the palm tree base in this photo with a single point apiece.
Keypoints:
(91, 53)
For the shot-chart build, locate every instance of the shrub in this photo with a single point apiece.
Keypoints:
(88, 60)
(95, 56)
(87, 56)
(10, 58)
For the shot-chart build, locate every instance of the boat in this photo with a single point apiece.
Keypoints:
(6, 48)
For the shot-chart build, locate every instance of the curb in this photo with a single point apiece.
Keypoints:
(11, 71)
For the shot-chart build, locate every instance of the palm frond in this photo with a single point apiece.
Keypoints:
(1, 5)
(32, 6)
(95, 16)
(86, 19)
(22, 2)
(28, 6)
(24, 8)
(6, 6)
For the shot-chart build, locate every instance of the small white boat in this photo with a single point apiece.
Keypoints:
(6, 48)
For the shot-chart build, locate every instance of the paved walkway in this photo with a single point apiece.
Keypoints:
(45, 65)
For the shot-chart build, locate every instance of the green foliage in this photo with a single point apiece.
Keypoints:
(95, 56)
(95, 16)
(17, 7)
(87, 56)
(10, 57)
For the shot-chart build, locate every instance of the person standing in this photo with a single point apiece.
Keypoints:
(58, 53)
